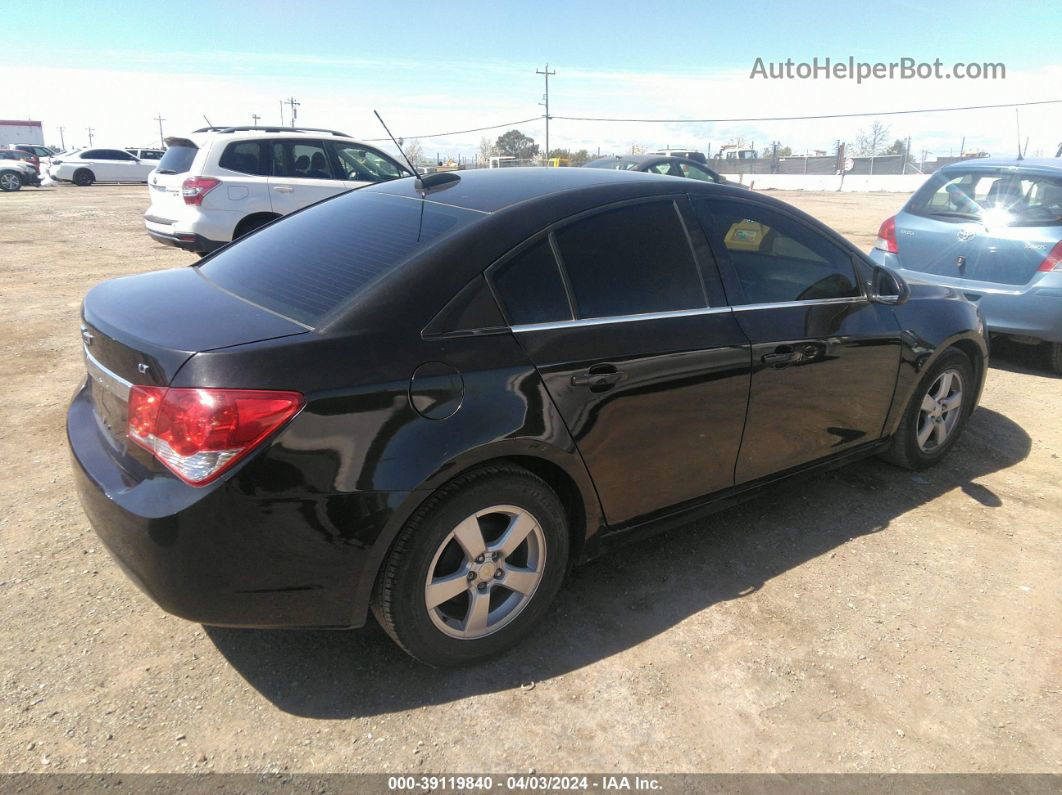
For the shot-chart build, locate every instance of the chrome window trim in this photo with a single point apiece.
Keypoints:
(713, 310)
(856, 299)
(109, 380)
(603, 321)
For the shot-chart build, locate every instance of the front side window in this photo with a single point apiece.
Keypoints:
(365, 165)
(695, 172)
(630, 261)
(996, 198)
(775, 258)
(529, 286)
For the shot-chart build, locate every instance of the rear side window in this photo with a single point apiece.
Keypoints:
(245, 157)
(177, 159)
(776, 259)
(318, 259)
(530, 287)
(630, 261)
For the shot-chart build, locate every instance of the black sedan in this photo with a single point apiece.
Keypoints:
(431, 397)
(667, 165)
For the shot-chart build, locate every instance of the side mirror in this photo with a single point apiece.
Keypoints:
(887, 287)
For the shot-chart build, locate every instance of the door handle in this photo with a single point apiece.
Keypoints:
(283, 188)
(599, 377)
(783, 355)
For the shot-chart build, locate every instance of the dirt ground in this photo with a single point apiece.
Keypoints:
(865, 620)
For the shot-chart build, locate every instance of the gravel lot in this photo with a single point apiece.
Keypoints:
(866, 620)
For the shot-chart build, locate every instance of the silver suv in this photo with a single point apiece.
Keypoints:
(219, 183)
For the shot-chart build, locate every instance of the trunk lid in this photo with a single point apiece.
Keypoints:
(142, 329)
(972, 251)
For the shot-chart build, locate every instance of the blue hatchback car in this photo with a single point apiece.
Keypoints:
(991, 228)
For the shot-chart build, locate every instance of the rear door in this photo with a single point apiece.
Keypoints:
(824, 359)
(989, 227)
(304, 173)
(637, 348)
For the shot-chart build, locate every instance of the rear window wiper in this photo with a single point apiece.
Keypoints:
(165, 171)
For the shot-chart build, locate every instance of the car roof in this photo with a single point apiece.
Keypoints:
(1053, 164)
(488, 190)
(202, 138)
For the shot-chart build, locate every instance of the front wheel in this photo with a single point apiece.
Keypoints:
(10, 180)
(937, 413)
(475, 567)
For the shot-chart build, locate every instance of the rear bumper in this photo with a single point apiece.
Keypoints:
(236, 552)
(1029, 310)
(186, 241)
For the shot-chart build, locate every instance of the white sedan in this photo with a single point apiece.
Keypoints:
(86, 166)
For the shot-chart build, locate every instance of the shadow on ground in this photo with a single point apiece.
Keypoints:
(1015, 357)
(630, 595)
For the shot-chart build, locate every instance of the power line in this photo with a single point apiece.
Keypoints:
(462, 132)
(820, 116)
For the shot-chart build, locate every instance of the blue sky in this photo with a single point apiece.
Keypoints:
(435, 66)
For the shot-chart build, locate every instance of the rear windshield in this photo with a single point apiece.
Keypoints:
(177, 160)
(999, 198)
(310, 263)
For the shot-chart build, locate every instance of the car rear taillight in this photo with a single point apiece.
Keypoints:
(1053, 261)
(195, 188)
(200, 433)
(887, 236)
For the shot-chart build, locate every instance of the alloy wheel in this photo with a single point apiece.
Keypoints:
(10, 182)
(485, 572)
(940, 410)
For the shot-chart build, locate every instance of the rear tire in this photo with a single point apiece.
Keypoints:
(1054, 357)
(10, 181)
(929, 428)
(488, 552)
(83, 178)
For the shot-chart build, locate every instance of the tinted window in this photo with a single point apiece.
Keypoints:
(245, 157)
(629, 261)
(775, 258)
(695, 172)
(530, 287)
(361, 163)
(317, 259)
(1002, 198)
(305, 159)
(91, 154)
(177, 159)
(150, 154)
(107, 154)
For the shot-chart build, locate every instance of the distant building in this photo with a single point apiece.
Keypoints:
(21, 131)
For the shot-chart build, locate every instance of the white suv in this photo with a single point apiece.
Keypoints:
(222, 182)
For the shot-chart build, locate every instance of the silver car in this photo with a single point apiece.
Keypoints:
(993, 229)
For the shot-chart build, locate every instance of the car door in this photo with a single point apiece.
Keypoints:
(824, 358)
(628, 327)
(120, 166)
(99, 164)
(303, 174)
(361, 165)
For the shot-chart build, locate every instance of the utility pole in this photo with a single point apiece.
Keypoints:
(62, 142)
(546, 73)
(90, 130)
(255, 117)
(281, 113)
(162, 139)
(294, 103)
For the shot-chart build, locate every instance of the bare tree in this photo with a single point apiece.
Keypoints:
(872, 141)
(413, 150)
(486, 151)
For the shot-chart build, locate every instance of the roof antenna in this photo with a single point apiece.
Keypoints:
(1017, 123)
(428, 182)
(207, 121)
(400, 149)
